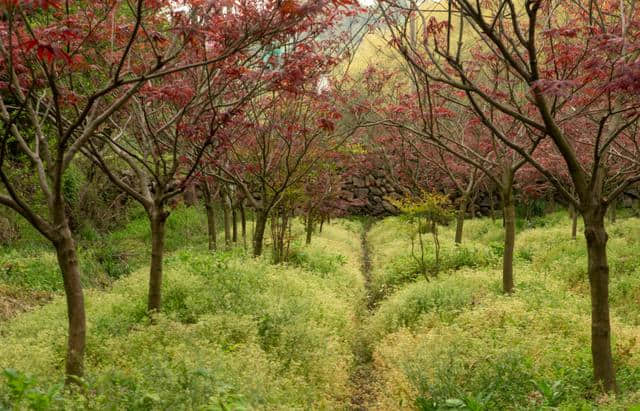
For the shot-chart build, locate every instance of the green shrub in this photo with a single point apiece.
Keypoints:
(321, 263)
(24, 391)
(445, 298)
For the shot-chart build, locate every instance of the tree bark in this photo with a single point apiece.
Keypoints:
(509, 244)
(492, 208)
(190, 196)
(211, 225)
(612, 211)
(158, 219)
(226, 210)
(462, 211)
(258, 235)
(211, 218)
(309, 228)
(243, 224)
(598, 269)
(76, 342)
(234, 226)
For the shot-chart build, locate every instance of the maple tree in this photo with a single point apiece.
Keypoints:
(285, 136)
(565, 72)
(69, 69)
(453, 146)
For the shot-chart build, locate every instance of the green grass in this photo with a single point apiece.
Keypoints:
(234, 333)
(240, 333)
(457, 342)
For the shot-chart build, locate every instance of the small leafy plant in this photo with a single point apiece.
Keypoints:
(24, 392)
(424, 213)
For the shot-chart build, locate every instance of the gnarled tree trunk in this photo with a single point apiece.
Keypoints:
(598, 269)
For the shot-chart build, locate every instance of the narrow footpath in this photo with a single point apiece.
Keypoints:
(363, 374)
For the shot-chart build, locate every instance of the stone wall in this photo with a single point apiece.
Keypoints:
(367, 194)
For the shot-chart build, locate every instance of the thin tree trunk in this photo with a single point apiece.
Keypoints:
(68, 261)
(309, 228)
(190, 196)
(612, 211)
(211, 218)
(462, 211)
(321, 224)
(492, 207)
(243, 224)
(227, 220)
(597, 237)
(509, 244)
(258, 235)
(234, 226)
(436, 243)
(158, 219)
(283, 234)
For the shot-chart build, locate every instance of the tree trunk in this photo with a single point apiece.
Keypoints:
(211, 219)
(190, 196)
(462, 211)
(509, 244)
(226, 209)
(612, 211)
(243, 224)
(234, 226)
(492, 208)
(258, 235)
(309, 228)
(158, 219)
(321, 224)
(68, 261)
(598, 267)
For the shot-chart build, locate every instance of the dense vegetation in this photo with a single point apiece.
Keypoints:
(236, 332)
(321, 204)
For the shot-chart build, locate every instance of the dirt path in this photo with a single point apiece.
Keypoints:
(362, 377)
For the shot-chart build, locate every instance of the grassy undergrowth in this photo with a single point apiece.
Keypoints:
(235, 332)
(456, 342)
(240, 333)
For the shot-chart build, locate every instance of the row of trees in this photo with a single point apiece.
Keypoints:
(231, 97)
(538, 94)
(163, 96)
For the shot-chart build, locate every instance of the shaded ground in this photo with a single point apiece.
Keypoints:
(14, 301)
